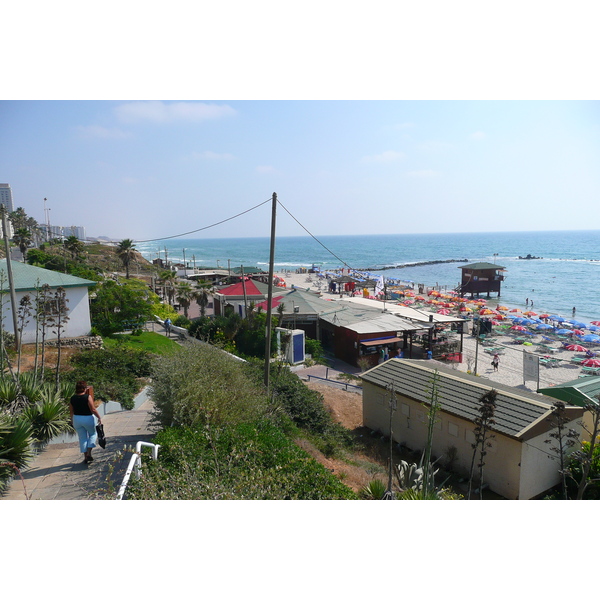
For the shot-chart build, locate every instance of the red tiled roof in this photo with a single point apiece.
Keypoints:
(237, 289)
(275, 302)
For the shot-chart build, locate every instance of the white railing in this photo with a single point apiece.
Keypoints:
(135, 465)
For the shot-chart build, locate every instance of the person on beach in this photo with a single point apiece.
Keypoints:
(573, 311)
(526, 301)
(83, 418)
(168, 326)
(495, 361)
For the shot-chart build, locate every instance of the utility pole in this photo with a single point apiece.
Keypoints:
(270, 294)
(11, 284)
(244, 290)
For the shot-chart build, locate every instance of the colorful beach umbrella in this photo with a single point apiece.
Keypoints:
(443, 311)
(515, 310)
(563, 331)
(595, 323)
(519, 328)
(590, 362)
(557, 318)
(590, 337)
(575, 348)
(543, 326)
(594, 328)
(530, 313)
(544, 316)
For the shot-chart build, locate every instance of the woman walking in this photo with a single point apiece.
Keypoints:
(83, 412)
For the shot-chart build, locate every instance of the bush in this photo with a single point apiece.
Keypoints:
(202, 384)
(249, 461)
(113, 372)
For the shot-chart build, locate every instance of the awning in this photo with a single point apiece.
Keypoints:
(380, 342)
(578, 392)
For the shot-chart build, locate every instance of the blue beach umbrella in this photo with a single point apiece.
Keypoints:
(548, 339)
(563, 331)
(557, 318)
(544, 326)
(590, 337)
(593, 328)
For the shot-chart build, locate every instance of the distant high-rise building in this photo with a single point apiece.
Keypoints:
(6, 196)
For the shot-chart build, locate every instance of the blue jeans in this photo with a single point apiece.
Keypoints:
(85, 426)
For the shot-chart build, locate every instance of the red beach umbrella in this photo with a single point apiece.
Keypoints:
(519, 328)
(575, 348)
(591, 362)
(544, 316)
(577, 332)
(530, 313)
(595, 322)
(443, 311)
(515, 310)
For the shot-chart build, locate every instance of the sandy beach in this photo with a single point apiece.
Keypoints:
(510, 370)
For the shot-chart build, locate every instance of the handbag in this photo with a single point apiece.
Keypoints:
(101, 437)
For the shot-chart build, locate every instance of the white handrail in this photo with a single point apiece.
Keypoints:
(135, 464)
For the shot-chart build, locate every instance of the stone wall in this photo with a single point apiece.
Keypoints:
(91, 342)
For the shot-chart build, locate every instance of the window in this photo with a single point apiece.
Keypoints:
(405, 409)
(453, 429)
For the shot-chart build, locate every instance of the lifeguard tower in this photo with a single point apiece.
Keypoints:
(479, 278)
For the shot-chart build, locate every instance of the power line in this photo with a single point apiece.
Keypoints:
(170, 237)
(314, 238)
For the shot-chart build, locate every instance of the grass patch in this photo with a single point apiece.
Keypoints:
(155, 343)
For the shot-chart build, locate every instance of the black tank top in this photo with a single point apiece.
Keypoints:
(80, 404)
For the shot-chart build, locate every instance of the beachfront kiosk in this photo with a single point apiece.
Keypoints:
(481, 278)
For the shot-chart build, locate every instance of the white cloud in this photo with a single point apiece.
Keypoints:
(97, 131)
(423, 173)
(209, 155)
(387, 156)
(171, 112)
(478, 135)
(266, 169)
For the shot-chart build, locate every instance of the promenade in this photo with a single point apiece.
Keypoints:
(58, 472)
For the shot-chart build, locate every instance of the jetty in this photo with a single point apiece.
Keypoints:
(416, 264)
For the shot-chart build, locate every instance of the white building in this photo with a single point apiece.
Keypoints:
(27, 281)
(6, 197)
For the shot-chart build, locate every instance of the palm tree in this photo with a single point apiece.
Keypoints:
(125, 250)
(203, 289)
(22, 238)
(168, 279)
(74, 246)
(185, 295)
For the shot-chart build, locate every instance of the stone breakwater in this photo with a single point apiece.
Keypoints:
(417, 264)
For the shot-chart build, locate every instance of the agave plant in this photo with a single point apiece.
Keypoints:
(15, 447)
(9, 392)
(374, 490)
(49, 417)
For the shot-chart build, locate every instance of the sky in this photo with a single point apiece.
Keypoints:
(150, 169)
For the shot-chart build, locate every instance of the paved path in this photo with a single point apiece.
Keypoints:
(58, 472)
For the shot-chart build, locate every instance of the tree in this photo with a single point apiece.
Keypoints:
(74, 246)
(565, 439)
(58, 320)
(203, 289)
(168, 279)
(483, 424)
(585, 459)
(23, 239)
(185, 293)
(120, 306)
(125, 251)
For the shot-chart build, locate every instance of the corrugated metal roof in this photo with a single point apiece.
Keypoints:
(28, 278)
(382, 323)
(576, 392)
(423, 316)
(481, 265)
(459, 393)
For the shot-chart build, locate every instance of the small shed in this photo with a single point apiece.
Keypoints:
(517, 465)
(481, 278)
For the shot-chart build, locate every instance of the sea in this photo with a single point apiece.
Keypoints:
(564, 274)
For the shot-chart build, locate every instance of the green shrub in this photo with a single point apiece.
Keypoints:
(249, 461)
(202, 384)
(113, 372)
